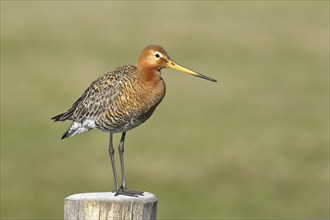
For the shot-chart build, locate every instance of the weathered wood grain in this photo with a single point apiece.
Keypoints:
(104, 205)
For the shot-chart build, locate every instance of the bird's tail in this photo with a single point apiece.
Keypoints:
(66, 134)
(78, 127)
(63, 117)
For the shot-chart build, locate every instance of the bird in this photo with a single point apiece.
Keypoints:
(121, 100)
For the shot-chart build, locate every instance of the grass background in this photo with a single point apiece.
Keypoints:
(254, 145)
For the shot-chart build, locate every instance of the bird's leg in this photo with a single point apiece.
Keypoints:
(121, 157)
(112, 158)
(123, 189)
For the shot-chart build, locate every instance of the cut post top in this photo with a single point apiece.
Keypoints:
(110, 196)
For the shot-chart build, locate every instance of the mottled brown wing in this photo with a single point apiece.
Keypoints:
(99, 96)
(95, 99)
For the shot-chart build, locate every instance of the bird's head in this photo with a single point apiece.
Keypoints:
(154, 58)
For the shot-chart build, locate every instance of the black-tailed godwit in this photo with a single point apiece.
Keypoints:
(121, 100)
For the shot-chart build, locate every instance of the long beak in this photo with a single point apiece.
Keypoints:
(176, 66)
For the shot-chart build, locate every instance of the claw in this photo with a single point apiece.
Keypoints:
(126, 192)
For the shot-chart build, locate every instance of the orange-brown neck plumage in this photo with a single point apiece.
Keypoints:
(152, 59)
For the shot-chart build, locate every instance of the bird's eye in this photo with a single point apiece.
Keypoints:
(157, 55)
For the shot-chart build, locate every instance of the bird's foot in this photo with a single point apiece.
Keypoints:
(124, 191)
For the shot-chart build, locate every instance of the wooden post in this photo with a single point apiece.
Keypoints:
(104, 205)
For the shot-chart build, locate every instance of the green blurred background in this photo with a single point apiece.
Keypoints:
(253, 145)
